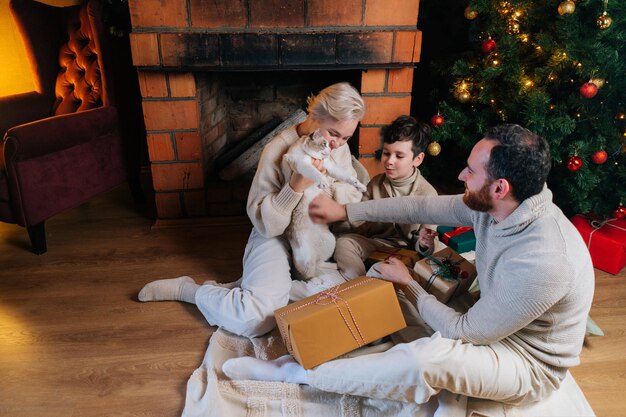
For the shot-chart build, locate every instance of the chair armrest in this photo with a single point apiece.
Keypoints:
(59, 132)
(23, 108)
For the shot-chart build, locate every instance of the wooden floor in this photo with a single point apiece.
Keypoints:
(74, 341)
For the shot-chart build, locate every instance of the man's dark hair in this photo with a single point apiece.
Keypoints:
(522, 157)
(406, 128)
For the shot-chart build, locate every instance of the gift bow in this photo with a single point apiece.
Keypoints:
(331, 296)
(445, 238)
(597, 225)
(444, 269)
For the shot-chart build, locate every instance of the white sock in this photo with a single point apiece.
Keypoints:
(283, 369)
(174, 289)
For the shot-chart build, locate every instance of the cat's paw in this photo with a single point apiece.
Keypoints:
(324, 184)
(359, 186)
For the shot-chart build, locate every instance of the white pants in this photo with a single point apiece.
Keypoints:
(266, 283)
(415, 371)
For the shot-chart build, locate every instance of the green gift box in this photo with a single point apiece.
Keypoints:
(461, 239)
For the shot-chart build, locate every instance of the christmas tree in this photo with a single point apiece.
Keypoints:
(557, 68)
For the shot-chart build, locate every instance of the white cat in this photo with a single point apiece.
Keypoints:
(312, 244)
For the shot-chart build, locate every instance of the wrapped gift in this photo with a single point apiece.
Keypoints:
(606, 241)
(461, 239)
(336, 321)
(408, 257)
(445, 274)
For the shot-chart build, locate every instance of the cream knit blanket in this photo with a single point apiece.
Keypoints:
(210, 393)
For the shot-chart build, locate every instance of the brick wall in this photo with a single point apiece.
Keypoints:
(187, 50)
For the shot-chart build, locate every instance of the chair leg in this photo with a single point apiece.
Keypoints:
(37, 234)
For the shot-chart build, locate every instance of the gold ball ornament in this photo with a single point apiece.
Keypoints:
(469, 13)
(434, 148)
(566, 7)
(463, 96)
(604, 21)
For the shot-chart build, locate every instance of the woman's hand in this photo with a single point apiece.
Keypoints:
(299, 182)
(393, 270)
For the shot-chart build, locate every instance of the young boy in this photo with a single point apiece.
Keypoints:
(403, 152)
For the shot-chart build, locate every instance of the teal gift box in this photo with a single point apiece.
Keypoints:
(461, 239)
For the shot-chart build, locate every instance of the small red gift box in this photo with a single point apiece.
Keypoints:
(606, 242)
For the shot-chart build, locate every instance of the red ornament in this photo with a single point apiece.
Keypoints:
(589, 90)
(489, 46)
(620, 212)
(436, 120)
(574, 163)
(599, 157)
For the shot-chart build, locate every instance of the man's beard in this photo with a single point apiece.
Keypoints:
(479, 200)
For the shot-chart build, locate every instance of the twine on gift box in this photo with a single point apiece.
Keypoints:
(331, 294)
(597, 225)
(445, 270)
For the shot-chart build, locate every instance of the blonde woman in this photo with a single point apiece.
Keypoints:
(248, 309)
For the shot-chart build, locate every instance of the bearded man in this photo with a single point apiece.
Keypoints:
(516, 343)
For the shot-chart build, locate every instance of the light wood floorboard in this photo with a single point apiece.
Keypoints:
(74, 341)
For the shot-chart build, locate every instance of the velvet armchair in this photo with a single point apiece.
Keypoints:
(62, 143)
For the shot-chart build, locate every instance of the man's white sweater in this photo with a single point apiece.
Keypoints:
(535, 273)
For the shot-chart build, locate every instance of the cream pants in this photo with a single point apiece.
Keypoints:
(266, 284)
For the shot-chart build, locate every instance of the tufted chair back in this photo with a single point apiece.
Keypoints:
(79, 83)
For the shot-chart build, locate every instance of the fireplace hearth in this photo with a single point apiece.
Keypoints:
(212, 72)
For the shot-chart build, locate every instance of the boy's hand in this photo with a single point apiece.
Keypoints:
(324, 209)
(426, 238)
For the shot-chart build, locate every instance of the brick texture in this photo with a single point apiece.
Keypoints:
(276, 13)
(373, 165)
(160, 147)
(383, 110)
(216, 14)
(189, 49)
(335, 13)
(177, 176)
(369, 140)
(386, 13)
(144, 49)
(152, 84)
(170, 115)
(188, 147)
(407, 46)
(400, 80)
(182, 84)
(364, 48)
(373, 81)
(147, 13)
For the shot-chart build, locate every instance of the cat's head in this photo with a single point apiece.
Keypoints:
(318, 146)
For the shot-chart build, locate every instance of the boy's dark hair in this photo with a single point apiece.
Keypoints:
(406, 128)
(522, 158)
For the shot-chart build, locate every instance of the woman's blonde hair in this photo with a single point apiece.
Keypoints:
(339, 101)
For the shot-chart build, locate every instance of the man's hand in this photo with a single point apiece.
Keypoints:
(393, 270)
(324, 209)
(299, 182)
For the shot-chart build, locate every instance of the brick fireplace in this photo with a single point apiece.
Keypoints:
(212, 72)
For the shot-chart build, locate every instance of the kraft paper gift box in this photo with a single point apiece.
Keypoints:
(445, 274)
(606, 241)
(408, 257)
(338, 320)
(461, 239)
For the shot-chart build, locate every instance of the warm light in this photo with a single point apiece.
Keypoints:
(15, 73)
(552, 106)
(551, 77)
(524, 37)
(621, 116)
